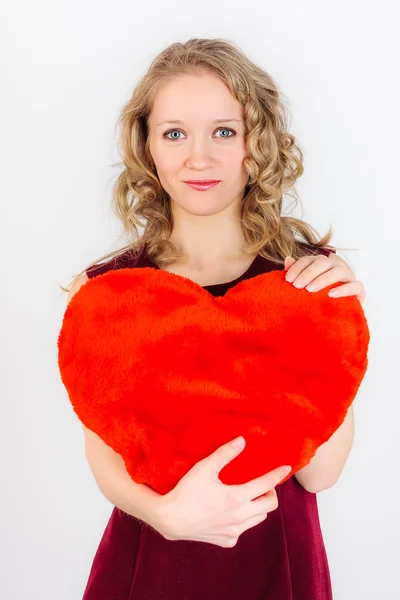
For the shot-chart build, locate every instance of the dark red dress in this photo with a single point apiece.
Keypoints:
(281, 558)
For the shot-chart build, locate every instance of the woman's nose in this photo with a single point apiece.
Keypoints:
(199, 152)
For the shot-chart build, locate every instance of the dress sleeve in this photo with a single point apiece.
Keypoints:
(327, 250)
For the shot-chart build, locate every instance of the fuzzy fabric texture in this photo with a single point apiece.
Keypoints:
(165, 373)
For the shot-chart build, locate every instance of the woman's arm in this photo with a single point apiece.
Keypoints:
(325, 467)
(108, 468)
(113, 480)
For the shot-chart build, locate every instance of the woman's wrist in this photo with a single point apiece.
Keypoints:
(160, 514)
(154, 509)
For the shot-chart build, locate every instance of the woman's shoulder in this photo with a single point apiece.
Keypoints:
(127, 258)
(77, 286)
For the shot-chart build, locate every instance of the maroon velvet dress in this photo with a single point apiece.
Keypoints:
(281, 558)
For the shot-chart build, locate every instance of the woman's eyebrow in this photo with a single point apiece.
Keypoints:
(172, 121)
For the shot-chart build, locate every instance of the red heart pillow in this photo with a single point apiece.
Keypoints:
(165, 373)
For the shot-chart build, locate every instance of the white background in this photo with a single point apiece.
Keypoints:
(67, 69)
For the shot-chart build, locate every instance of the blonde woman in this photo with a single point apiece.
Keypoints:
(206, 160)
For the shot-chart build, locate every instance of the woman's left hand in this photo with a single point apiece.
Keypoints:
(319, 271)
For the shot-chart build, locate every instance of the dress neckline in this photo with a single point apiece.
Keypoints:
(215, 286)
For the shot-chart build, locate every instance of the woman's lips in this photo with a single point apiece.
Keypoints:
(202, 186)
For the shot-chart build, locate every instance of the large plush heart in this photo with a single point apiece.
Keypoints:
(165, 373)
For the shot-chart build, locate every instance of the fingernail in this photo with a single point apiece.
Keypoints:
(333, 293)
(238, 443)
(287, 470)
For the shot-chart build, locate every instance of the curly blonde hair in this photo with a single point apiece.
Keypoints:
(274, 160)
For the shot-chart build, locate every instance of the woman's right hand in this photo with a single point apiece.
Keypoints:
(202, 508)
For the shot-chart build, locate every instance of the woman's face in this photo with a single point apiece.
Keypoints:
(198, 148)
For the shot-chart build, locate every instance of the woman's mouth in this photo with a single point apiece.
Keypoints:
(202, 186)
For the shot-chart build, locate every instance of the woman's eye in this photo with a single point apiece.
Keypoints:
(166, 134)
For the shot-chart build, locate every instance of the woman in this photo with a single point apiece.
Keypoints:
(206, 161)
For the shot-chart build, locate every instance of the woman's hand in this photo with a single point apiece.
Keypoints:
(203, 509)
(319, 271)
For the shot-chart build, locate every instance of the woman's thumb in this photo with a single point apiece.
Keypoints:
(289, 261)
(224, 454)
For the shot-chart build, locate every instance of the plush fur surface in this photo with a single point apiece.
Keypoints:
(165, 373)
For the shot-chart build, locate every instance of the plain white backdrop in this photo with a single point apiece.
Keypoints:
(67, 69)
